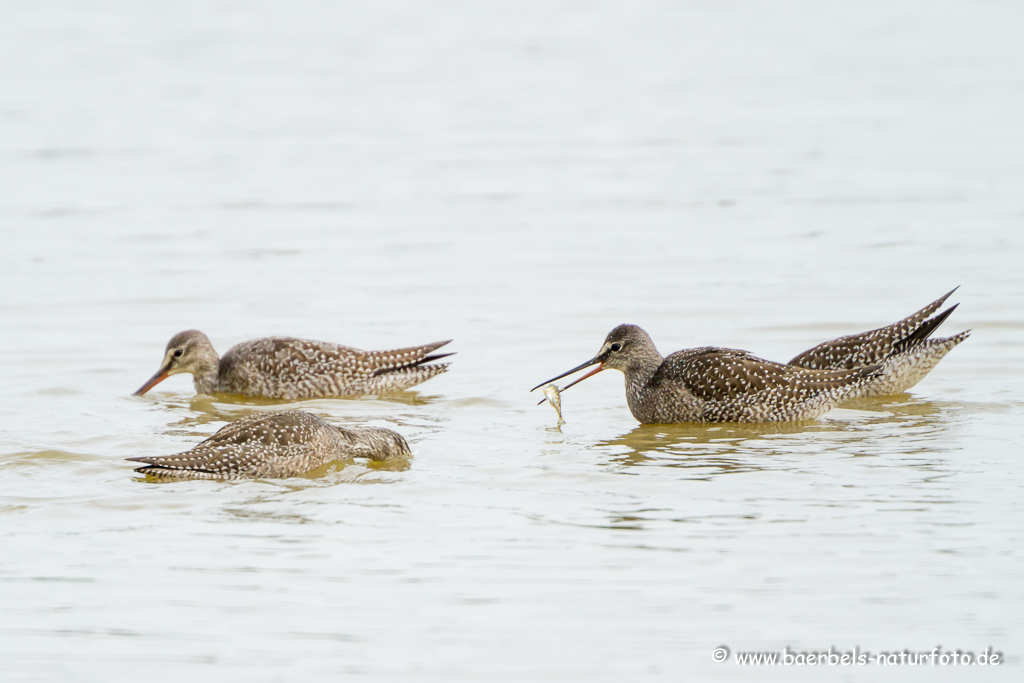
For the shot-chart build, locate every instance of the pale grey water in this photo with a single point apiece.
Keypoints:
(520, 177)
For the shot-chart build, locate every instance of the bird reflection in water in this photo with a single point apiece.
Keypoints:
(202, 410)
(897, 425)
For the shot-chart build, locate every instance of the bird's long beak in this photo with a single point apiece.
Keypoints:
(161, 374)
(590, 362)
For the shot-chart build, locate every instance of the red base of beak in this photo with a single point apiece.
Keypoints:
(599, 368)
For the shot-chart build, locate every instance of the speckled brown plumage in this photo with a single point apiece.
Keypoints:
(274, 445)
(292, 369)
(712, 384)
(904, 351)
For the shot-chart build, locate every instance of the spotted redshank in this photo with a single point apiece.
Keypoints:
(288, 368)
(274, 445)
(711, 384)
(904, 350)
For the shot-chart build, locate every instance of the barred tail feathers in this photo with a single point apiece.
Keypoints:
(390, 360)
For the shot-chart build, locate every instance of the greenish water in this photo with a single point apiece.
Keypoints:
(521, 178)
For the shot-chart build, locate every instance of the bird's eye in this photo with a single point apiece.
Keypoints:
(178, 352)
(616, 346)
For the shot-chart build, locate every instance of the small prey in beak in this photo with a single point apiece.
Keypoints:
(552, 397)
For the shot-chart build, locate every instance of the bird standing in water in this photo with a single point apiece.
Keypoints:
(712, 384)
(292, 369)
(274, 444)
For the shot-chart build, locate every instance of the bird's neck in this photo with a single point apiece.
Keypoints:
(205, 375)
(640, 371)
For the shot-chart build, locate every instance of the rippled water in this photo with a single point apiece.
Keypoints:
(519, 177)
